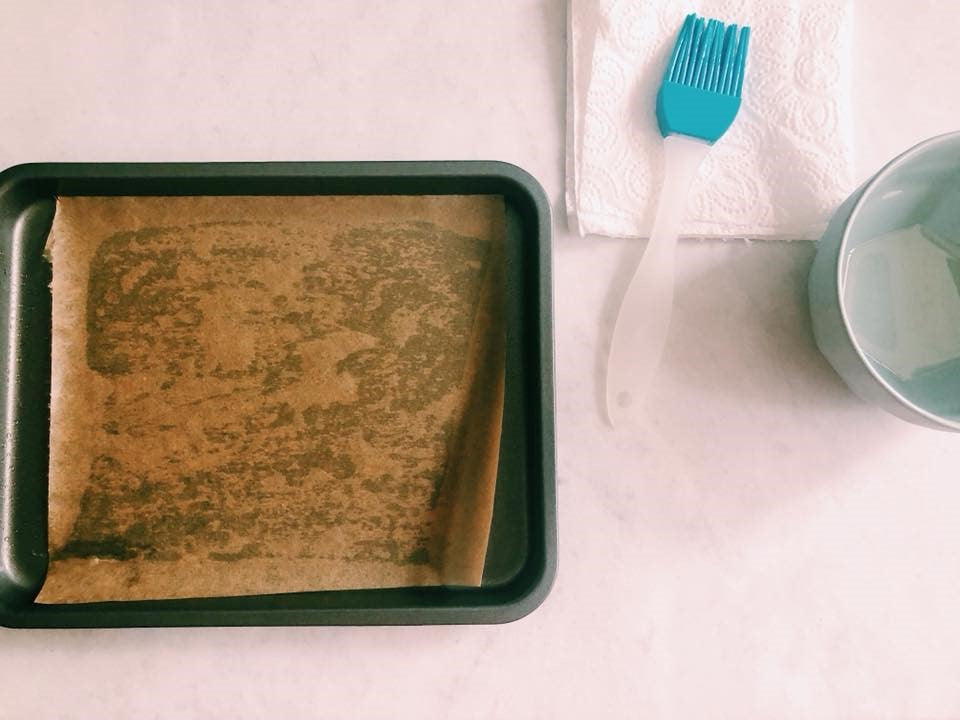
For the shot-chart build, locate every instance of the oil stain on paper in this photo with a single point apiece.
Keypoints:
(272, 396)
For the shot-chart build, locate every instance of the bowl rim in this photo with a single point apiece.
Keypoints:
(865, 193)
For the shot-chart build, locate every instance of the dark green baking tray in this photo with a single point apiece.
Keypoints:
(521, 557)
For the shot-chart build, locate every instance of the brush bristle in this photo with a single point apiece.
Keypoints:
(709, 55)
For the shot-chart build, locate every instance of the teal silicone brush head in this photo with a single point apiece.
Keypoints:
(700, 94)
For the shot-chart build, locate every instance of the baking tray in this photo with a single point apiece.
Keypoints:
(521, 557)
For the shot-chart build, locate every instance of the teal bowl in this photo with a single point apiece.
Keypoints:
(885, 286)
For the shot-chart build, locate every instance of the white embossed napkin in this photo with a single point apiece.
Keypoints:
(781, 169)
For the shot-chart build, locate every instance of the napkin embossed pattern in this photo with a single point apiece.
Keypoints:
(780, 171)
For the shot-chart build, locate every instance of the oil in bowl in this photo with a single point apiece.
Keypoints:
(900, 281)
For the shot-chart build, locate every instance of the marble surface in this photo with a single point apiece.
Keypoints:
(768, 546)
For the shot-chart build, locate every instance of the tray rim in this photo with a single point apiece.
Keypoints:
(442, 177)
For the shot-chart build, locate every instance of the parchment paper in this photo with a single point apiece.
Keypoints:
(272, 394)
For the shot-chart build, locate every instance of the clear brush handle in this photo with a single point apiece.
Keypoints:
(642, 323)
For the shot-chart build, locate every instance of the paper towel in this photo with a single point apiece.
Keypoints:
(781, 169)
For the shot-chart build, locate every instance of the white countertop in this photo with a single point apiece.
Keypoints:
(768, 547)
